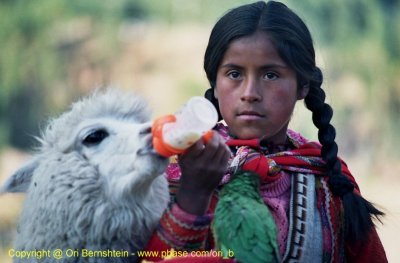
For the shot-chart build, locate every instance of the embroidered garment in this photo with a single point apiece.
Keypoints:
(308, 217)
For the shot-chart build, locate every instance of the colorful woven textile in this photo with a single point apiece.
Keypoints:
(314, 228)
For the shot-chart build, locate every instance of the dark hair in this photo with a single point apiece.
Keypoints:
(294, 44)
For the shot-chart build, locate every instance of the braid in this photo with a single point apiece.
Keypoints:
(358, 212)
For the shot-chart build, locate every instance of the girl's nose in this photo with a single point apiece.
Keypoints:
(251, 91)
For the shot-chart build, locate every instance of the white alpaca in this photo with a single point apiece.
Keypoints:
(95, 184)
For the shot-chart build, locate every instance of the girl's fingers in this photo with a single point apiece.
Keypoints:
(196, 150)
(214, 154)
(218, 151)
(222, 156)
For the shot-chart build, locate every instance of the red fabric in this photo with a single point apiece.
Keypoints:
(157, 245)
(290, 158)
(369, 251)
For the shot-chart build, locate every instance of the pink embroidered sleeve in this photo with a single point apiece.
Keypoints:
(178, 229)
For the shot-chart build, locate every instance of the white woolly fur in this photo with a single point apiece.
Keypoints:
(101, 196)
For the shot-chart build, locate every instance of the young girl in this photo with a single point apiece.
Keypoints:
(260, 61)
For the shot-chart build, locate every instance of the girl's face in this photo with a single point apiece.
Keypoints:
(256, 89)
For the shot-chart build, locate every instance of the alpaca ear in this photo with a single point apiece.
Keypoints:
(19, 182)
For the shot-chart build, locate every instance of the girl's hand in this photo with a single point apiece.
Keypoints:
(202, 167)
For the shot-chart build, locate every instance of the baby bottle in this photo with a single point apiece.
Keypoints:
(173, 134)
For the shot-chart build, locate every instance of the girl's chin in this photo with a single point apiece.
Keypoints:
(247, 134)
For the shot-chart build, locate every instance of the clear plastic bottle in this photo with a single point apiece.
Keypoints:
(173, 134)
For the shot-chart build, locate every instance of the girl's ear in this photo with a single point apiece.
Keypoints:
(215, 93)
(303, 91)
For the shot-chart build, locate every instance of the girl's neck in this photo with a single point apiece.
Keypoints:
(268, 145)
(271, 147)
(265, 146)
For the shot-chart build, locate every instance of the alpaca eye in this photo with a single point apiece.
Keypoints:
(95, 137)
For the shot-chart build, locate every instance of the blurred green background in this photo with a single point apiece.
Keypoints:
(54, 51)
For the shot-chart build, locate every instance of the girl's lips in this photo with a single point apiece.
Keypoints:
(250, 115)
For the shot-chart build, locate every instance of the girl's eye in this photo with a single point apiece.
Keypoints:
(233, 74)
(270, 76)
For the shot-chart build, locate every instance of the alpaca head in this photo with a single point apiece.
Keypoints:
(109, 131)
(96, 181)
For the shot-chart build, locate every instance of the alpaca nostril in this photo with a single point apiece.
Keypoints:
(146, 129)
(147, 147)
(148, 139)
(141, 152)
